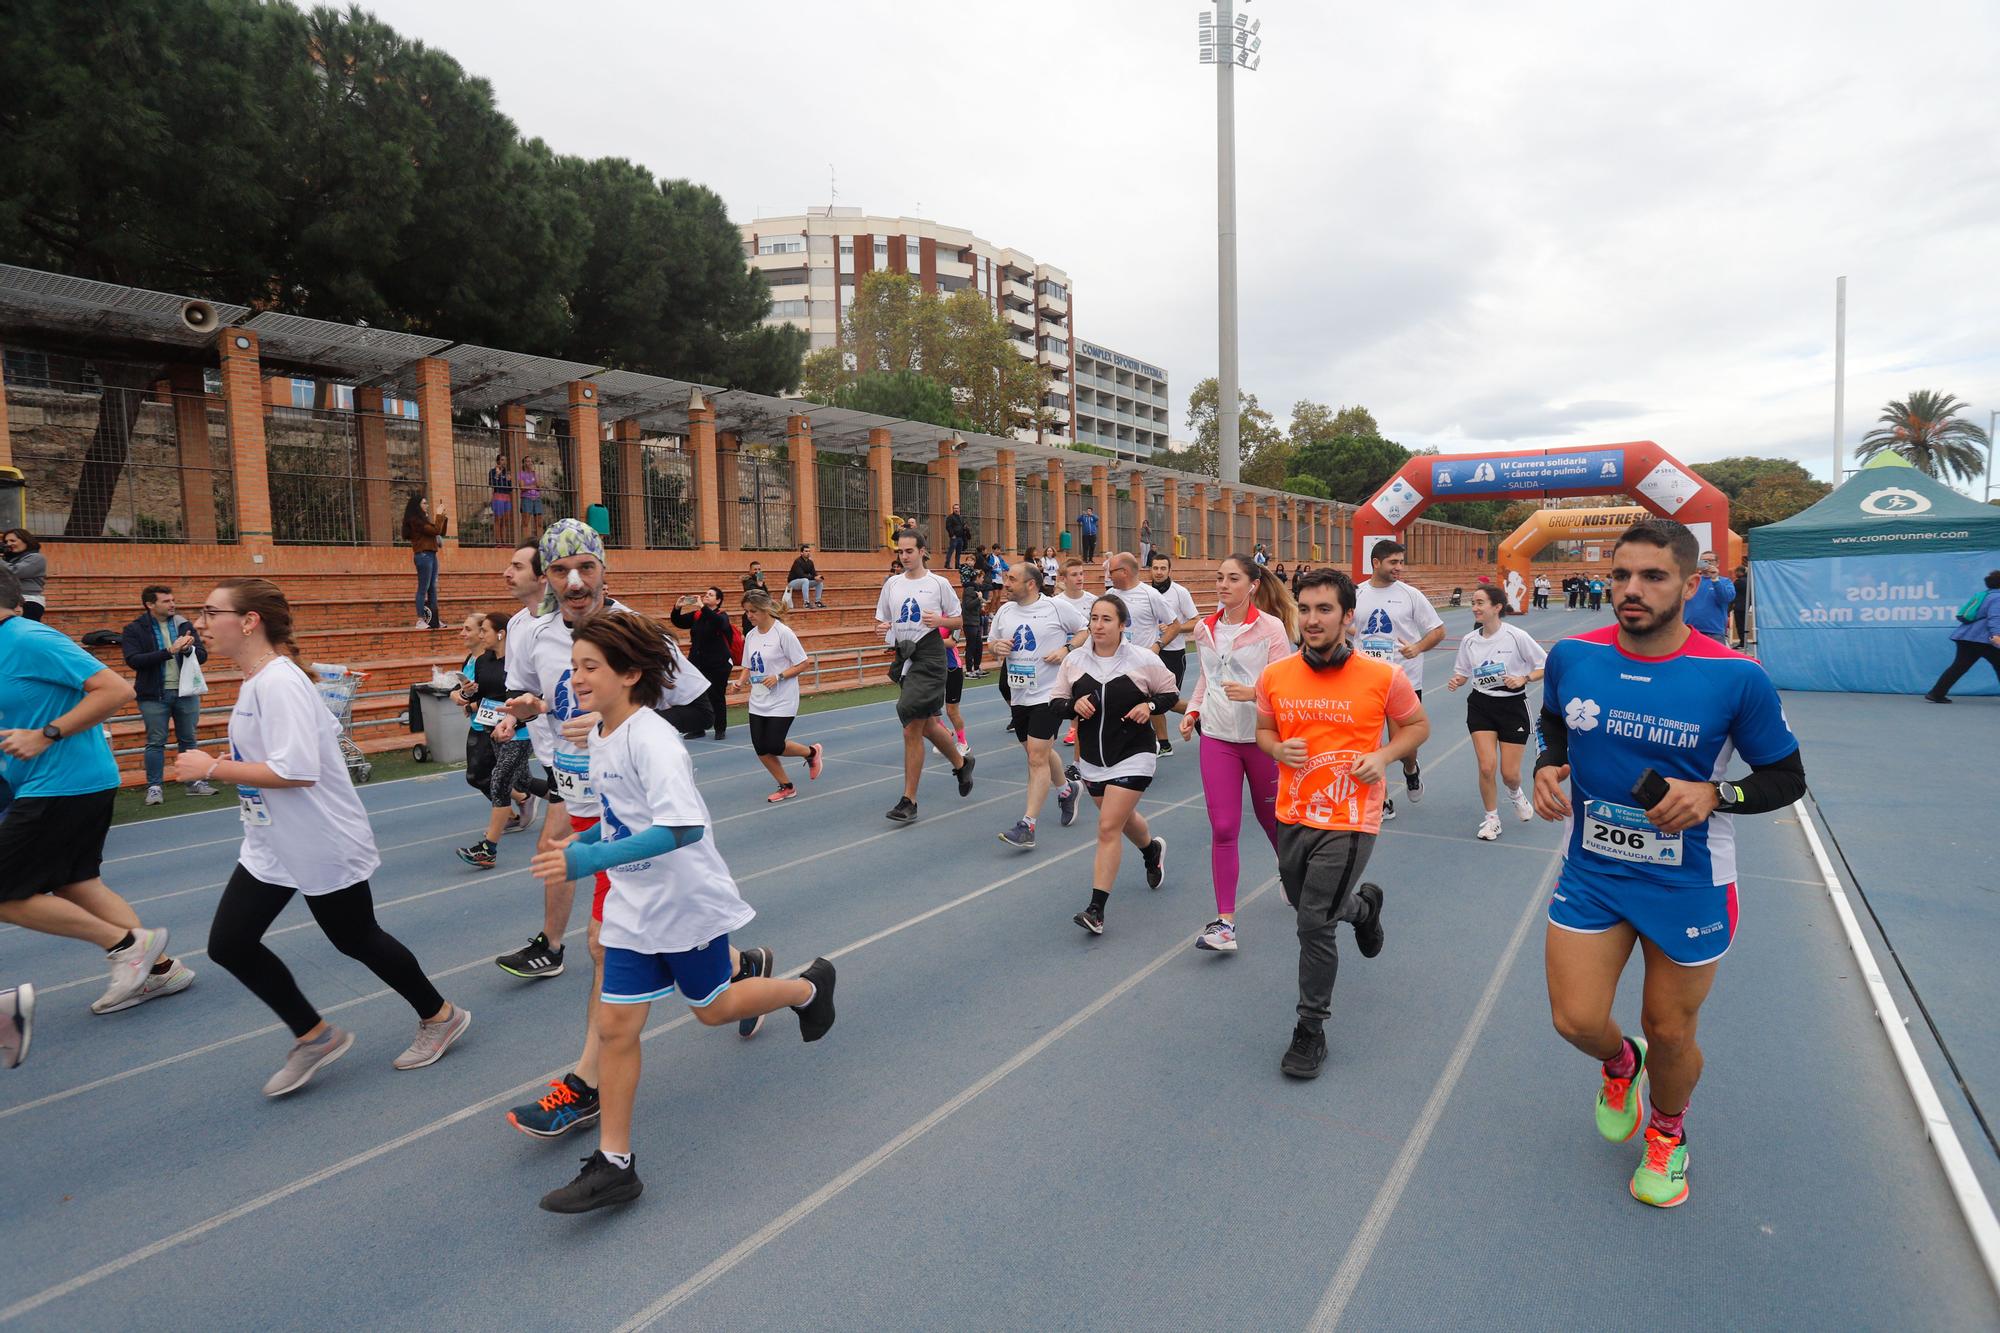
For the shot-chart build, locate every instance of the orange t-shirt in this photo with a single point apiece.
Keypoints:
(1339, 714)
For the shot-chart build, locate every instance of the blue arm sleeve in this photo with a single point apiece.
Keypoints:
(587, 856)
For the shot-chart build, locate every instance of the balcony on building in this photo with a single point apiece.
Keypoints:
(1020, 319)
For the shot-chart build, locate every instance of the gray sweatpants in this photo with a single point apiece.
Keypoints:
(1320, 871)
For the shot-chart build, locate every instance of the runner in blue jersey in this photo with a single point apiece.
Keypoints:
(1652, 867)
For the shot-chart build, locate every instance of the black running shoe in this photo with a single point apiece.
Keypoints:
(1305, 1055)
(758, 962)
(1368, 933)
(817, 1014)
(1154, 854)
(569, 1104)
(598, 1185)
(964, 775)
(903, 811)
(1164, 748)
(1388, 808)
(1091, 920)
(1073, 773)
(537, 962)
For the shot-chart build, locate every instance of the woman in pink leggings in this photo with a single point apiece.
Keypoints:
(1255, 625)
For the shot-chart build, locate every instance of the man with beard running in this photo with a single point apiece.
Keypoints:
(915, 610)
(1395, 623)
(573, 566)
(1036, 633)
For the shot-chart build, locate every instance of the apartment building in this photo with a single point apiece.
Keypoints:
(815, 260)
(1121, 402)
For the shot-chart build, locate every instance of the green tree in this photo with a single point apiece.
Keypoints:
(1927, 431)
(1300, 484)
(1263, 448)
(1762, 490)
(908, 394)
(1353, 467)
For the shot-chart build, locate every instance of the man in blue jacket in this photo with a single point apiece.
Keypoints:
(166, 656)
(1708, 609)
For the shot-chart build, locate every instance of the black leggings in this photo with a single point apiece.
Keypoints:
(1968, 653)
(718, 688)
(249, 906)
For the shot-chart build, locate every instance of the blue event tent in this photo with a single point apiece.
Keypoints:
(1860, 591)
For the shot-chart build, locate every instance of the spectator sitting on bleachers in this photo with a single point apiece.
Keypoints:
(803, 580)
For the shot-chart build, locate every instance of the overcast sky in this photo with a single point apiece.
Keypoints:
(1493, 225)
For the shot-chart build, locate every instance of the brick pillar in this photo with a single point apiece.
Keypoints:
(1009, 537)
(989, 522)
(707, 508)
(1170, 488)
(881, 482)
(1225, 510)
(948, 451)
(934, 483)
(729, 488)
(1138, 486)
(805, 479)
(243, 407)
(1198, 497)
(6, 440)
(586, 446)
(197, 463)
(1107, 508)
(434, 419)
(371, 440)
(629, 509)
(278, 392)
(1054, 483)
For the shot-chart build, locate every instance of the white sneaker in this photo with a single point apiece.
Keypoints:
(1489, 829)
(199, 788)
(1523, 807)
(171, 982)
(421, 624)
(154, 796)
(129, 968)
(1218, 937)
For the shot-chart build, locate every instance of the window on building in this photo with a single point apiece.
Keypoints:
(1057, 345)
(881, 252)
(781, 245)
(302, 393)
(913, 254)
(1056, 290)
(790, 309)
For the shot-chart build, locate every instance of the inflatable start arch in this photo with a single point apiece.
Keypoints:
(1639, 469)
(1562, 525)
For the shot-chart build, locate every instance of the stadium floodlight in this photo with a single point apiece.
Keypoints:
(1238, 46)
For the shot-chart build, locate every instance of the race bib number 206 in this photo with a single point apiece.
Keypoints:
(1623, 833)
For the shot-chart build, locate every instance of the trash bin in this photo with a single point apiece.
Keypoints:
(13, 499)
(598, 517)
(1065, 542)
(444, 726)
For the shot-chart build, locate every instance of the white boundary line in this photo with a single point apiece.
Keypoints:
(1958, 1173)
(747, 1248)
(1376, 1222)
(115, 1266)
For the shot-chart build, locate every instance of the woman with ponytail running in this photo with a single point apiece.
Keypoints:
(304, 831)
(1255, 624)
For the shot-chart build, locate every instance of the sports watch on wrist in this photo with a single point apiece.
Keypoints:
(1728, 795)
(52, 732)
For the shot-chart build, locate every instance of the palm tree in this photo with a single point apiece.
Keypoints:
(1926, 430)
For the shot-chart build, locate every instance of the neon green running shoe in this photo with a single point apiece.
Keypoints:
(1620, 1099)
(1661, 1179)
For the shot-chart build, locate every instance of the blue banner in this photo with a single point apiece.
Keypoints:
(1870, 624)
(1455, 477)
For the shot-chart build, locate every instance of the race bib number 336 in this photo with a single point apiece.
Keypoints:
(1623, 833)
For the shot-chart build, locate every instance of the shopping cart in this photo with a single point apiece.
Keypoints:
(337, 688)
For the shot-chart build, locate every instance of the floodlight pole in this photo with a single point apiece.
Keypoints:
(1228, 449)
(1839, 376)
(1991, 417)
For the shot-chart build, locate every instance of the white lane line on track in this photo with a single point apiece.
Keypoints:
(35, 1302)
(1362, 1248)
(747, 1248)
(481, 961)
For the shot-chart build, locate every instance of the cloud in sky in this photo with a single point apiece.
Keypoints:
(1493, 225)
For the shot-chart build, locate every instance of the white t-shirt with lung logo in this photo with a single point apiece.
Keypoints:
(1386, 617)
(315, 839)
(1148, 609)
(679, 900)
(1181, 603)
(1487, 662)
(1029, 634)
(766, 653)
(904, 601)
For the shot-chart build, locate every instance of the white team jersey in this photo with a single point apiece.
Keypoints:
(1385, 618)
(1148, 609)
(766, 653)
(904, 601)
(680, 899)
(1182, 603)
(1487, 662)
(522, 630)
(1028, 634)
(315, 839)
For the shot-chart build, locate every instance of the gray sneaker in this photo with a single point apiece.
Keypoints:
(200, 788)
(434, 1039)
(1022, 835)
(307, 1058)
(154, 795)
(130, 967)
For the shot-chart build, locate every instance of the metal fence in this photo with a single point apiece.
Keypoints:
(331, 487)
(108, 463)
(992, 509)
(845, 523)
(476, 453)
(764, 504)
(670, 496)
(910, 497)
